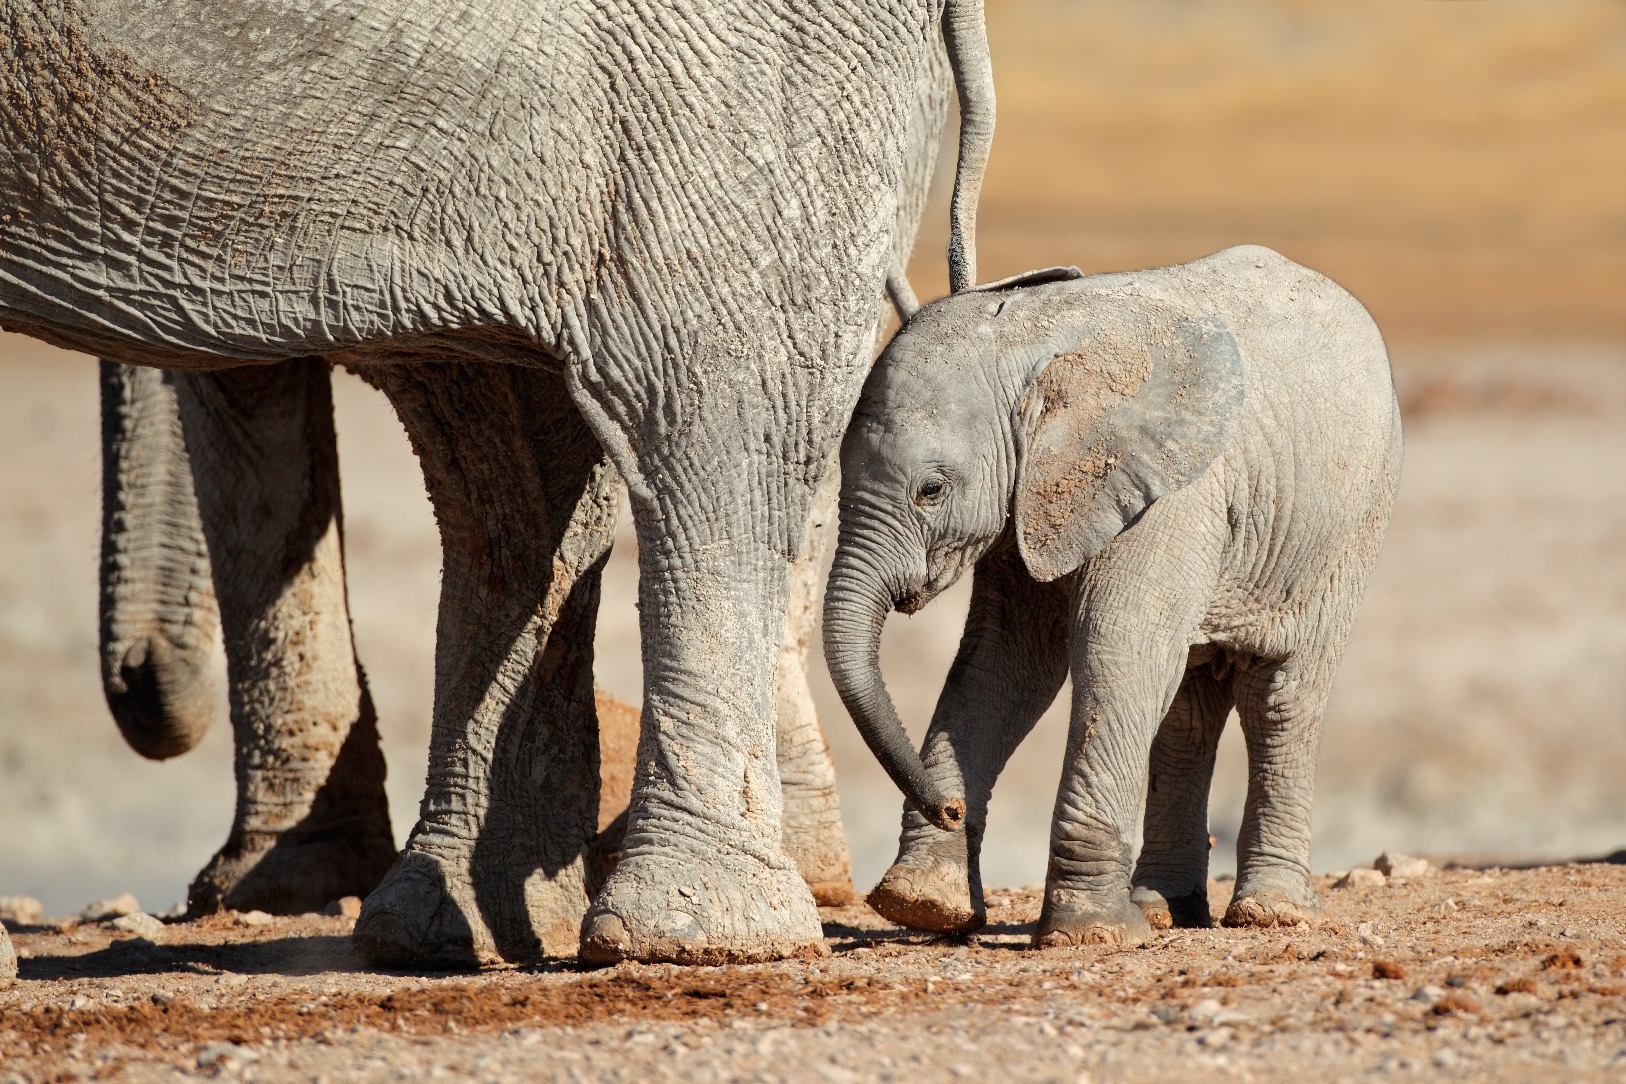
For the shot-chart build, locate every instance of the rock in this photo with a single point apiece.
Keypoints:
(254, 918)
(8, 957)
(139, 923)
(1446, 1058)
(1213, 1040)
(1203, 1011)
(349, 907)
(1368, 935)
(20, 910)
(225, 1057)
(1360, 878)
(117, 907)
(1400, 866)
(1429, 996)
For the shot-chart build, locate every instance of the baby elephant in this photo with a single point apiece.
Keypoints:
(1174, 483)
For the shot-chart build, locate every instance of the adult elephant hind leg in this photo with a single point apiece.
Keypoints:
(1280, 705)
(525, 502)
(312, 822)
(812, 827)
(1011, 662)
(1171, 875)
(158, 613)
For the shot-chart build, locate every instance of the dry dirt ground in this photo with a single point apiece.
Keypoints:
(1461, 974)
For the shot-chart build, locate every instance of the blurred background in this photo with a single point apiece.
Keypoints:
(1461, 167)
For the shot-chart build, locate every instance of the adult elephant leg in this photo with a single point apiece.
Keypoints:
(1011, 663)
(1280, 706)
(158, 614)
(312, 823)
(705, 876)
(1171, 875)
(526, 505)
(813, 833)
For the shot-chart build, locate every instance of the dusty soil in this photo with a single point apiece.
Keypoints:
(1462, 974)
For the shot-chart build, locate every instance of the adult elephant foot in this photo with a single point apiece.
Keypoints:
(342, 847)
(709, 910)
(496, 867)
(1188, 911)
(1264, 905)
(936, 897)
(1076, 918)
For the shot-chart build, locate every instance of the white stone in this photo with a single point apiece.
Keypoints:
(1400, 866)
(139, 923)
(20, 910)
(114, 907)
(1360, 878)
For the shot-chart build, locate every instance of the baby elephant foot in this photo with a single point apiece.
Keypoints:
(1277, 902)
(666, 908)
(1077, 918)
(936, 898)
(1185, 912)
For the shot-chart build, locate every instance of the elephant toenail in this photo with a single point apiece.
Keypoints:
(606, 930)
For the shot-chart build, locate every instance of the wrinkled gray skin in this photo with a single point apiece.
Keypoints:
(159, 617)
(1172, 483)
(670, 226)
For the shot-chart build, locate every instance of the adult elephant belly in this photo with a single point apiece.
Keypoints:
(682, 217)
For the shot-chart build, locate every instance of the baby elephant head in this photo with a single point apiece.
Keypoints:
(1049, 403)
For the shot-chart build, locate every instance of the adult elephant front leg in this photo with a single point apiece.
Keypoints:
(525, 500)
(705, 876)
(312, 823)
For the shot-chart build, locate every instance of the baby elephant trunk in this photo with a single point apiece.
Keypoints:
(855, 607)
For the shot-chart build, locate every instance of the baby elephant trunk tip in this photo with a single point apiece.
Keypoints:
(949, 815)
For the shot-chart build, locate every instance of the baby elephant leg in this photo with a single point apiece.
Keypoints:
(1171, 876)
(1138, 609)
(1012, 661)
(1280, 706)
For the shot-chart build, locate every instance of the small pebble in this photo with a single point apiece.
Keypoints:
(1428, 995)
(1400, 866)
(254, 918)
(1360, 878)
(114, 907)
(20, 910)
(139, 923)
(348, 907)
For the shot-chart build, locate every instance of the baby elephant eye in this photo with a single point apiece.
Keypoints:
(931, 491)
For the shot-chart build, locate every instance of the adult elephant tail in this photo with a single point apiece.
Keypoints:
(158, 612)
(966, 35)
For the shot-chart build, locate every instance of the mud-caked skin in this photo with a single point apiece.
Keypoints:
(685, 214)
(1172, 485)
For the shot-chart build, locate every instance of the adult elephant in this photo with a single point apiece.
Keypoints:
(657, 234)
(311, 822)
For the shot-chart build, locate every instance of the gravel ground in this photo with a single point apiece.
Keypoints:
(1460, 974)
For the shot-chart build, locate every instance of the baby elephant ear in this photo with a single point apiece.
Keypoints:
(1142, 401)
